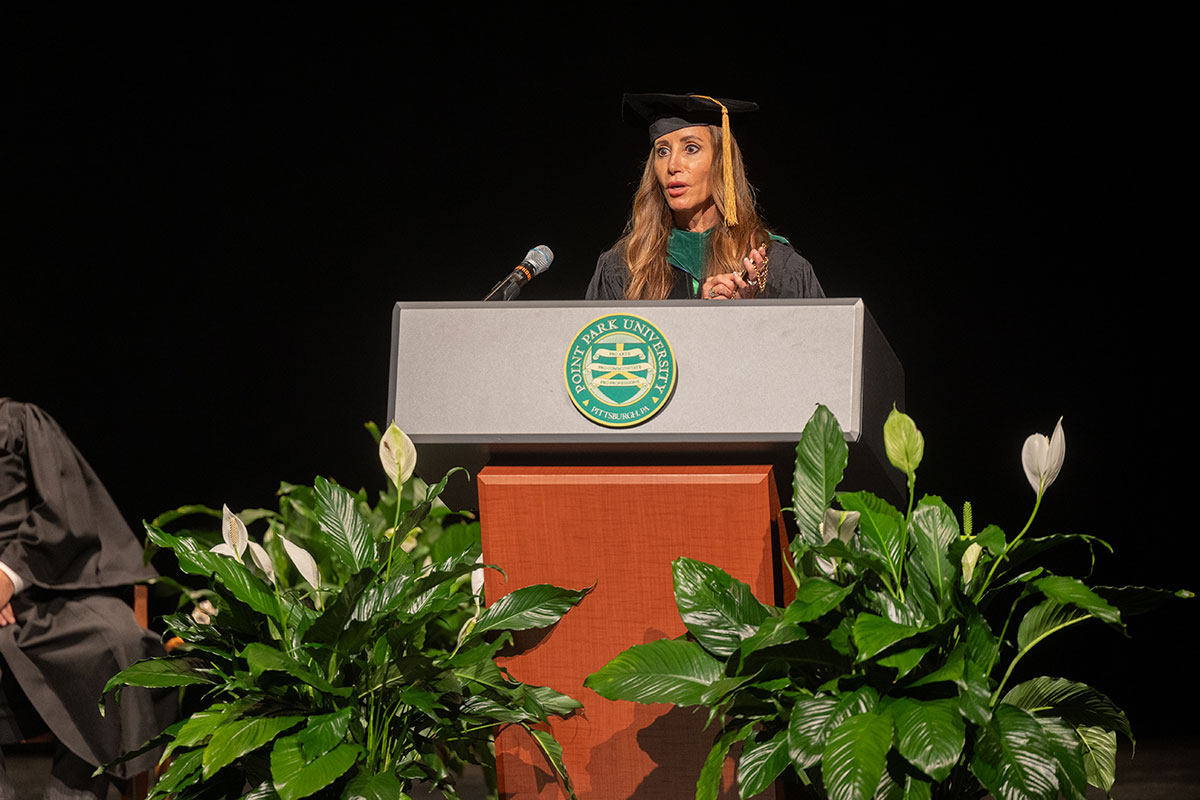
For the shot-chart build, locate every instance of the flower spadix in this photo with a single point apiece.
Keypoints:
(233, 531)
(397, 454)
(1042, 457)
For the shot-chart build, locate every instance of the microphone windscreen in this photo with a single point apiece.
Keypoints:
(538, 259)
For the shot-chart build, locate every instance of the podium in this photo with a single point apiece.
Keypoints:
(566, 500)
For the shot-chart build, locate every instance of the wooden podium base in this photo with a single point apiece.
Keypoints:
(619, 528)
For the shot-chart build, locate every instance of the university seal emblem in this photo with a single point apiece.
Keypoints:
(620, 370)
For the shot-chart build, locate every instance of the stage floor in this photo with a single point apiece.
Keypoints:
(1164, 769)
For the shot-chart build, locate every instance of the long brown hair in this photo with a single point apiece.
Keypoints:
(650, 223)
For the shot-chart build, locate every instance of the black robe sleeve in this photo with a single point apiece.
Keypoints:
(789, 274)
(59, 528)
(608, 281)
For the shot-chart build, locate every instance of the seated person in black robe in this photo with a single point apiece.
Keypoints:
(695, 231)
(65, 555)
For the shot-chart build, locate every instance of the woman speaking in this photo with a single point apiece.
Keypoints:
(694, 231)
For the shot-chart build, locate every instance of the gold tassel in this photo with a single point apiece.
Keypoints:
(731, 218)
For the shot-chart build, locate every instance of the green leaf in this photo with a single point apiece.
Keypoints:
(165, 671)
(952, 669)
(938, 521)
(529, 607)
(982, 645)
(821, 457)
(881, 526)
(1099, 756)
(664, 671)
(813, 718)
(1044, 619)
(815, 597)
(329, 626)
(1067, 748)
(1077, 703)
(1012, 757)
(808, 729)
(382, 786)
(974, 693)
(1133, 600)
(324, 732)
(917, 789)
(240, 736)
(904, 444)
(773, 631)
(904, 661)
(708, 787)
(855, 756)
(433, 492)
(1071, 591)
(348, 532)
(200, 726)
(263, 658)
(924, 601)
(196, 560)
(992, 539)
(930, 734)
(554, 702)
(1031, 546)
(496, 711)
(456, 539)
(934, 528)
(294, 776)
(181, 773)
(874, 634)
(384, 598)
(761, 764)
(554, 754)
(720, 611)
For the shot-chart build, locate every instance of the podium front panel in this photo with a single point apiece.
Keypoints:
(750, 370)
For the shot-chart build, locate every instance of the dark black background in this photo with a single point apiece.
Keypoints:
(211, 216)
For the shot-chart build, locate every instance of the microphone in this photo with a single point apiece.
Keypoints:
(536, 262)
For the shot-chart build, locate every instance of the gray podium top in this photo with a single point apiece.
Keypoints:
(474, 382)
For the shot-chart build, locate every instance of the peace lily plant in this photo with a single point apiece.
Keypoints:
(348, 657)
(890, 674)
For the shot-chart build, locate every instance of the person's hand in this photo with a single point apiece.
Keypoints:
(734, 285)
(6, 593)
(726, 286)
(756, 267)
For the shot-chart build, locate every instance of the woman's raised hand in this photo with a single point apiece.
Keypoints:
(743, 285)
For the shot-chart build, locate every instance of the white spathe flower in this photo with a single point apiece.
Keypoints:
(970, 558)
(1043, 457)
(836, 525)
(398, 455)
(839, 525)
(306, 565)
(204, 612)
(233, 531)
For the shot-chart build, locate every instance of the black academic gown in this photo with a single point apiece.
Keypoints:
(62, 533)
(788, 275)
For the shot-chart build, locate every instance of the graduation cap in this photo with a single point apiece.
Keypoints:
(666, 113)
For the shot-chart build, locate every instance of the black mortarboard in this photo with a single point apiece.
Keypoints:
(666, 113)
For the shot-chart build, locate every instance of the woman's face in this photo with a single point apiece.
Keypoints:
(682, 161)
